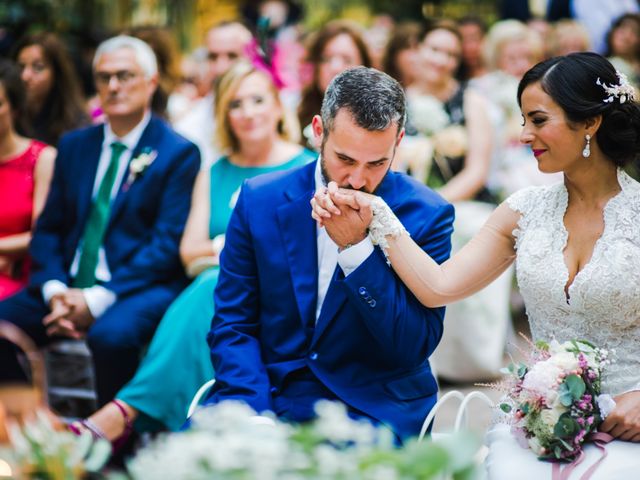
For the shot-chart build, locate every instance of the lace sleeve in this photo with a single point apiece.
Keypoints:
(476, 265)
(523, 201)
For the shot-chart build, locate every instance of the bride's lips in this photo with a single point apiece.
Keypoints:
(538, 151)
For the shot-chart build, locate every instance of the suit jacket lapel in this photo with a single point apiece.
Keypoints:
(299, 234)
(148, 139)
(87, 176)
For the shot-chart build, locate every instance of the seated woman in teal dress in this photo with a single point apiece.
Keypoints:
(252, 127)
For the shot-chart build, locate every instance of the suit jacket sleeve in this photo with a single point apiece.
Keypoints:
(47, 244)
(235, 330)
(159, 259)
(406, 330)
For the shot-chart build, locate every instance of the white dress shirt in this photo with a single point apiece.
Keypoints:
(328, 256)
(97, 297)
(199, 125)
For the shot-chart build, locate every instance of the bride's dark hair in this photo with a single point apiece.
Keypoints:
(572, 81)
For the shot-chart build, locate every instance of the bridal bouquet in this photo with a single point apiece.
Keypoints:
(555, 402)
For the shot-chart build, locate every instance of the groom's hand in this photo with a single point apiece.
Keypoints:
(624, 421)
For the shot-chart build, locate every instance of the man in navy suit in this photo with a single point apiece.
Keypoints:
(105, 249)
(304, 313)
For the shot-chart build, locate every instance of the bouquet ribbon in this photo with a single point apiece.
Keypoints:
(600, 439)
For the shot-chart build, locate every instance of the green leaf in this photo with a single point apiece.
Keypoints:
(505, 407)
(571, 390)
(542, 345)
(566, 427)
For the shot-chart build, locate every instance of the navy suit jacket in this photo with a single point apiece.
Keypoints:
(146, 220)
(372, 341)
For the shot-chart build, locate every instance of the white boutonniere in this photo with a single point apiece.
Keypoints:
(139, 165)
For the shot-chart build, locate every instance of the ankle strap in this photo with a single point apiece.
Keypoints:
(128, 425)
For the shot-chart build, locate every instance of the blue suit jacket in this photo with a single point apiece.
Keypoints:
(146, 220)
(371, 344)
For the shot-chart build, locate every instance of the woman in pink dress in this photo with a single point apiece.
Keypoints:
(26, 167)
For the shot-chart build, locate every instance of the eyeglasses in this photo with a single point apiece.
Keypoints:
(123, 76)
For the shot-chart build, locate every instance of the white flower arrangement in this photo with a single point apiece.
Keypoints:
(228, 441)
(139, 164)
(38, 450)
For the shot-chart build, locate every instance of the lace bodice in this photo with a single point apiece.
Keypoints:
(604, 298)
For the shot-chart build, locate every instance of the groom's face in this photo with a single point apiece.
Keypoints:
(354, 157)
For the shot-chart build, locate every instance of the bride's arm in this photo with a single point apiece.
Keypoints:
(477, 264)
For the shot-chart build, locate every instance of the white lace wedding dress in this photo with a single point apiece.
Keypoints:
(602, 306)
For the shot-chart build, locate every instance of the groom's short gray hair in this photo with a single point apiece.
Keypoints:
(374, 99)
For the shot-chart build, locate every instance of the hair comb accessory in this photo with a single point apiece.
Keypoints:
(623, 91)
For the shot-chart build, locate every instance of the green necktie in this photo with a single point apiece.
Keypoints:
(97, 223)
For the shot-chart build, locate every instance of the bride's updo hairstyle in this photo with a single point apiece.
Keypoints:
(586, 85)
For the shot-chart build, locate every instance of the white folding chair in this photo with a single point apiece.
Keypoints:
(198, 396)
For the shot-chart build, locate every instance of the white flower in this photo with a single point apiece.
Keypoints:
(566, 361)
(427, 114)
(542, 378)
(550, 416)
(139, 164)
(535, 445)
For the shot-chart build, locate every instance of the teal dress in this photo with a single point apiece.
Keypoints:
(177, 362)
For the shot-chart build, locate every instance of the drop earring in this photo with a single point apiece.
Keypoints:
(586, 153)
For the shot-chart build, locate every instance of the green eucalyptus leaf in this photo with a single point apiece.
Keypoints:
(506, 408)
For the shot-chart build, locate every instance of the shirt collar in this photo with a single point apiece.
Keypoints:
(131, 139)
(318, 178)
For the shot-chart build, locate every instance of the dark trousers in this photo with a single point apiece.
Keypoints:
(116, 339)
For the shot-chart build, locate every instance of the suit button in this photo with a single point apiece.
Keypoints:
(362, 291)
(313, 355)
(372, 303)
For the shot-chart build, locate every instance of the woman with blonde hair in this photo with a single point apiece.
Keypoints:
(251, 128)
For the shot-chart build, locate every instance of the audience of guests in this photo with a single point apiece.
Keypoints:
(54, 99)
(331, 50)
(252, 128)
(226, 43)
(26, 167)
(106, 246)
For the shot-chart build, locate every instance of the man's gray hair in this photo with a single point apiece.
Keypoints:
(144, 54)
(374, 99)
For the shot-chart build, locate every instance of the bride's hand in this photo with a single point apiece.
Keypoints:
(624, 420)
(329, 201)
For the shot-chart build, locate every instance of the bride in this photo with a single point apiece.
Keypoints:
(576, 245)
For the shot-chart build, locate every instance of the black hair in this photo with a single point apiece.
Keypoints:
(572, 82)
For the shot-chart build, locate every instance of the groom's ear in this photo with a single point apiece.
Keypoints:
(318, 130)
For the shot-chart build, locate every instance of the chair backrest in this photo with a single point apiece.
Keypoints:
(19, 401)
(461, 415)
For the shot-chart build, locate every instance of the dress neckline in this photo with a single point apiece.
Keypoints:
(623, 180)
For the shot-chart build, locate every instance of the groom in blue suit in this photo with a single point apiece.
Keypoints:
(105, 249)
(306, 313)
